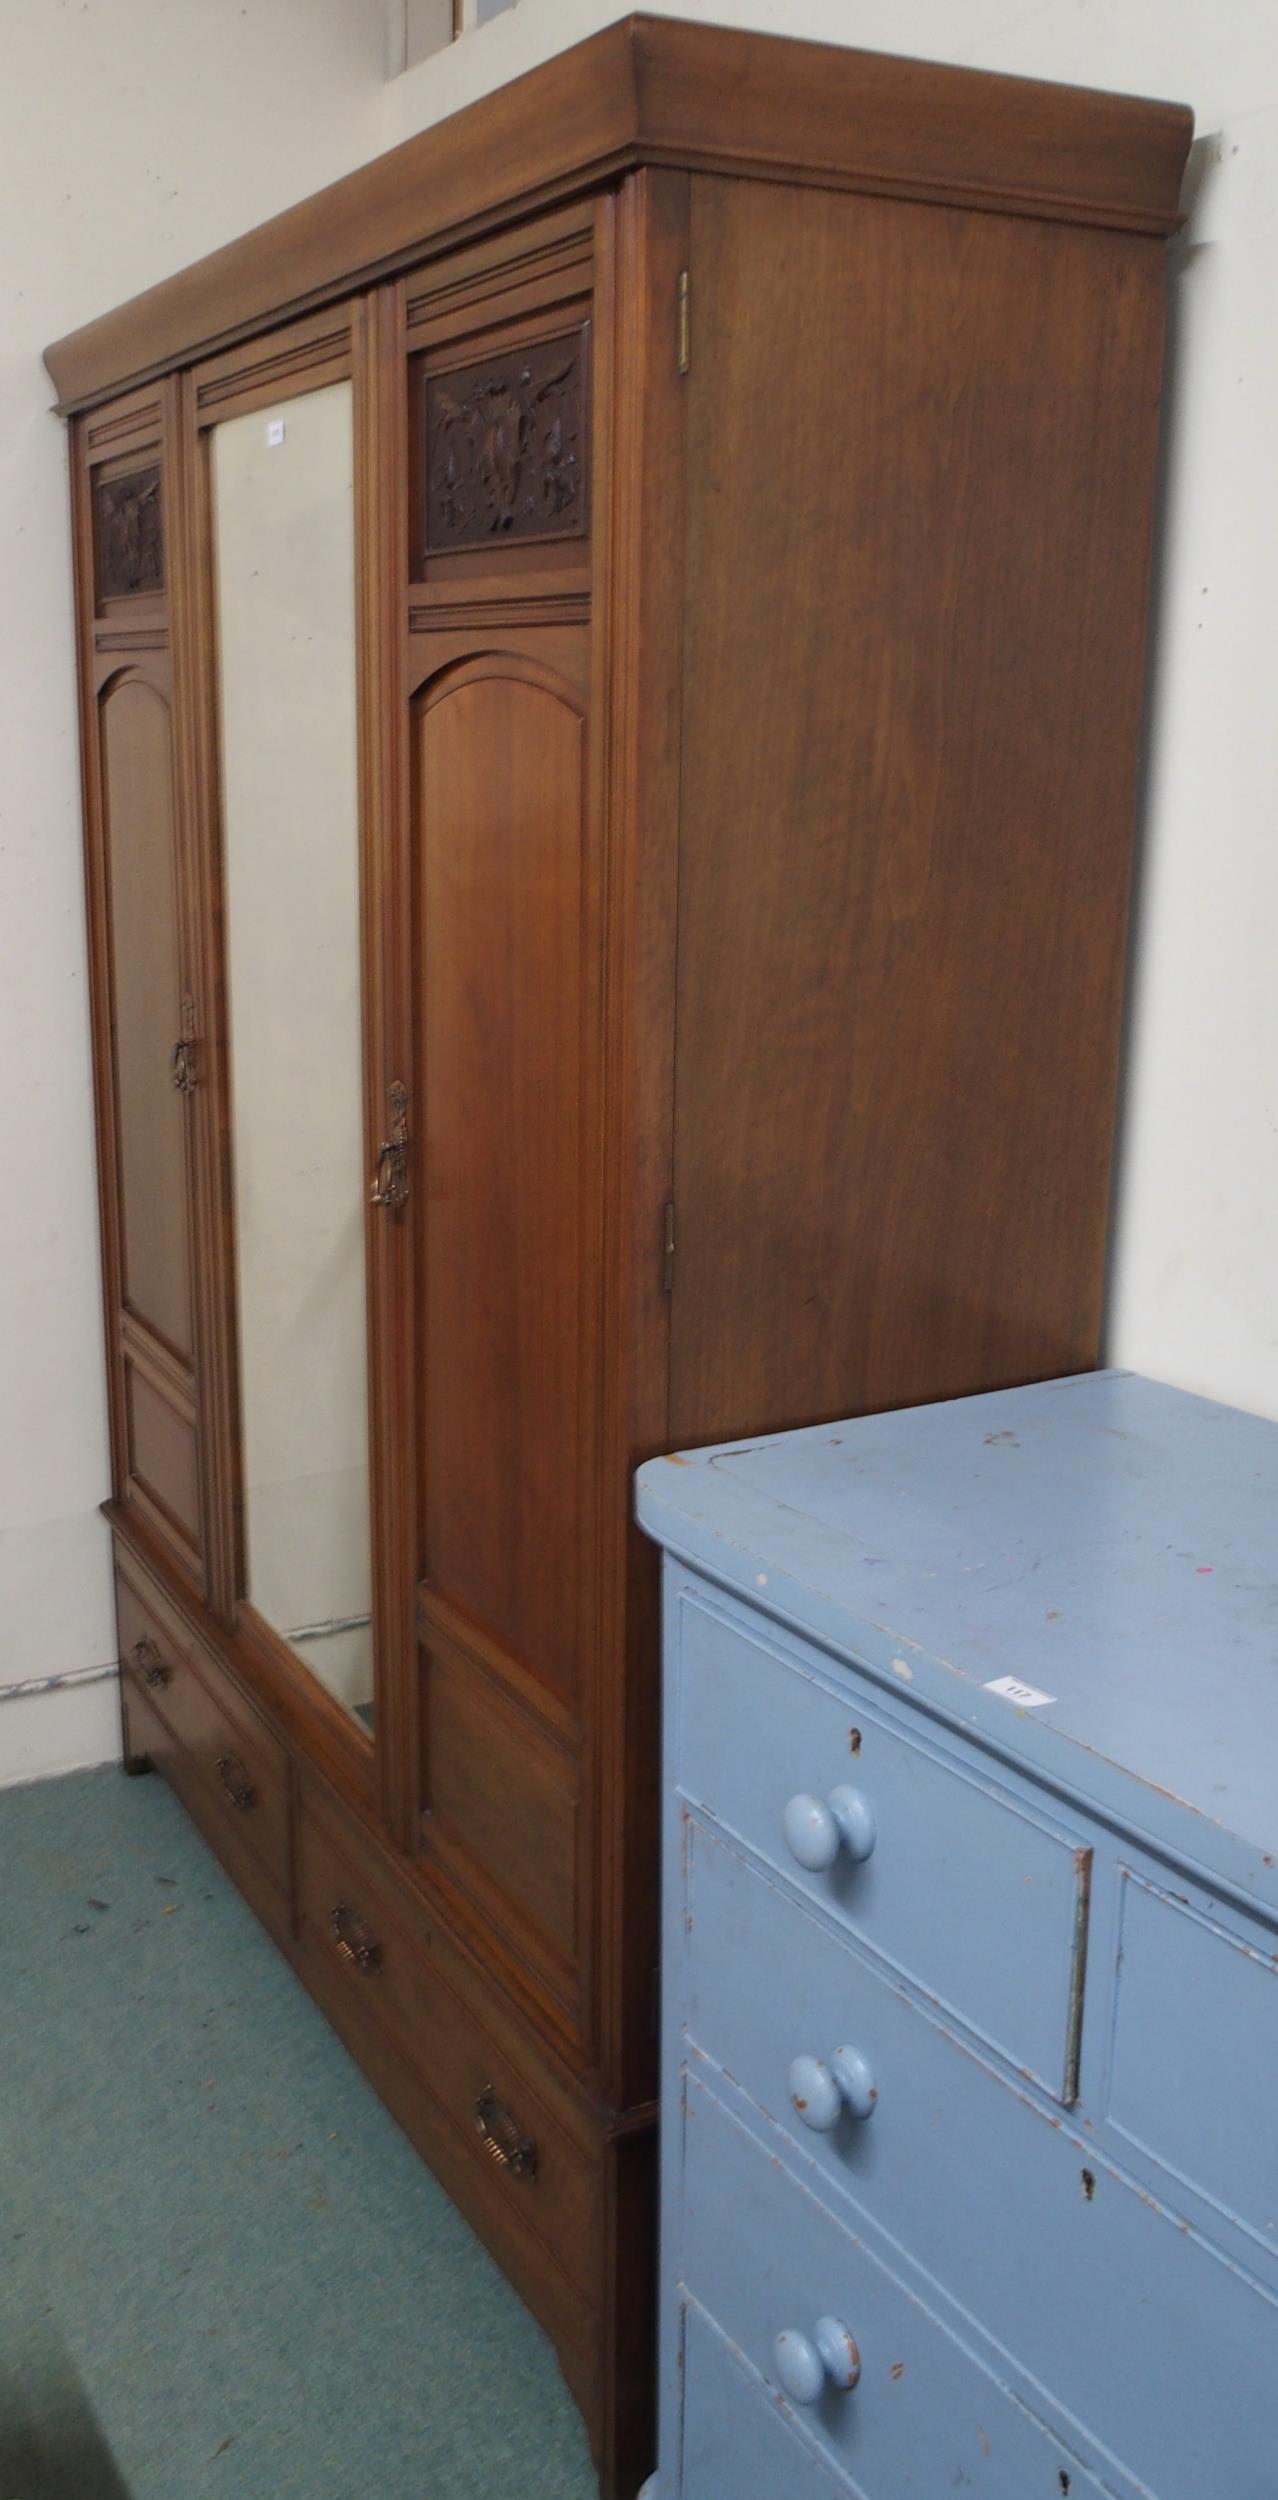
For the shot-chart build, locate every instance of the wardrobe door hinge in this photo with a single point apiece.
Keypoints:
(390, 1182)
(685, 321)
(183, 1064)
(667, 1246)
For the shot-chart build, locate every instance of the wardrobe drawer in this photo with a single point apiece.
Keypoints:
(949, 2152)
(210, 1731)
(371, 1954)
(734, 2439)
(965, 1890)
(1173, 1957)
(764, 2258)
(153, 1649)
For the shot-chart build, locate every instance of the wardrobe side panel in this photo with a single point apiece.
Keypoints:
(922, 447)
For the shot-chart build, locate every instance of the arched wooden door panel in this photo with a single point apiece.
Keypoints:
(505, 1341)
(153, 1060)
(146, 1003)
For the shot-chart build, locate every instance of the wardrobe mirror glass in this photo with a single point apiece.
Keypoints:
(284, 555)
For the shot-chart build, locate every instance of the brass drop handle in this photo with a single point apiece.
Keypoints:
(354, 1942)
(503, 2137)
(390, 1180)
(233, 1774)
(149, 1663)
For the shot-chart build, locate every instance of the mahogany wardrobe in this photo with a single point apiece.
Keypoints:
(611, 656)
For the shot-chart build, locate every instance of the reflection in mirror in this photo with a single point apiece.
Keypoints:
(283, 535)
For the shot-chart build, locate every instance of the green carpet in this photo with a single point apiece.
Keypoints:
(206, 2216)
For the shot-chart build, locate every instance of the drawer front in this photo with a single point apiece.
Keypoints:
(1194, 2053)
(764, 2258)
(736, 2444)
(967, 1892)
(986, 2192)
(150, 1734)
(370, 1953)
(210, 1731)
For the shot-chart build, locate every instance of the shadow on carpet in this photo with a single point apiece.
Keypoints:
(226, 2271)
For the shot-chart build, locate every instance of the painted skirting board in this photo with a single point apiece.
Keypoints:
(74, 1727)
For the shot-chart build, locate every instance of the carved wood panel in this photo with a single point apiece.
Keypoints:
(129, 528)
(506, 447)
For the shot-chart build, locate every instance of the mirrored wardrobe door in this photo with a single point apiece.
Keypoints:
(283, 550)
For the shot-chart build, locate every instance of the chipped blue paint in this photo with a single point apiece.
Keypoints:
(933, 2032)
(1105, 1539)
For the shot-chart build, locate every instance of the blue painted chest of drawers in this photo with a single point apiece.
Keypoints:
(970, 2166)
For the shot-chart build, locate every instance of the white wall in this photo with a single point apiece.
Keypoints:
(1194, 1293)
(132, 139)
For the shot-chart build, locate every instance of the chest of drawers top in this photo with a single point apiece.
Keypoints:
(1082, 1576)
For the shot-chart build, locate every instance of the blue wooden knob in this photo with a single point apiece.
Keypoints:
(855, 2078)
(799, 2366)
(807, 2366)
(811, 1833)
(855, 1818)
(815, 1833)
(814, 2095)
(819, 2093)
